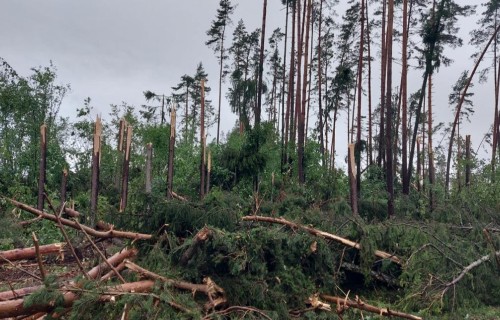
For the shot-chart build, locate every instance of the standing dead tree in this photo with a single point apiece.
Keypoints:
(96, 159)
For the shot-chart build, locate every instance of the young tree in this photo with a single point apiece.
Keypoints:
(216, 34)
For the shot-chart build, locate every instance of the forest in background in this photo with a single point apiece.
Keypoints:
(433, 207)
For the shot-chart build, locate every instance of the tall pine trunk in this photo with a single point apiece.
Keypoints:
(261, 64)
(388, 129)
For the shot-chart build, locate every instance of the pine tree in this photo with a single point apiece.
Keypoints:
(216, 34)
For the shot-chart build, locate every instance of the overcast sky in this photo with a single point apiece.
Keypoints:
(113, 50)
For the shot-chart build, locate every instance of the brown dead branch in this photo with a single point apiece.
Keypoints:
(73, 224)
(38, 256)
(65, 235)
(319, 233)
(20, 268)
(345, 303)
(30, 253)
(100, 253)
(466, 270)
(215, 294)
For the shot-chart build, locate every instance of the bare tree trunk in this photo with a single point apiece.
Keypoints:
(381, 153)
(125, 174)
(149, 167)
(119, 147)
(370, 131)
(171, 154)
(64, 184)
(42, 174)
(291, 92)
(301, 122)
(429, 146)
(467, 161)
(261, 64)
(283, 133)
(202, 141)
(352, 179)
(209, 170)
(358, 100)
(419, 165)
(221, 67)
(320, 92)
(96, 159)
(388, 140)
(404, 98)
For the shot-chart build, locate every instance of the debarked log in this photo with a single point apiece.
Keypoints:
(30, 253)
(344, 303)
(99, 234)
(322, 234)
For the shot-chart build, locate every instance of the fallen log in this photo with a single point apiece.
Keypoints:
(14, 308)
(30, 253)
(215, 294)
(94, 273)
(344, 303)
(322, 234)
(99, 234)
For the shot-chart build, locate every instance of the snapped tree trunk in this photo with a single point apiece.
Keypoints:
(96, 160)
(125, 173)
(43, 166)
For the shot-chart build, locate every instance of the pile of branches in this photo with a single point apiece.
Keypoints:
(210, 274)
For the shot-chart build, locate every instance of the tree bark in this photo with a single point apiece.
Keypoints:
(301, 120)
(388, 129)
(30, 253)
(96, 159)
(42, 175)
(261, 64)
(171, 153)
(358, 100)
(149, 167)
(125, 173)
(352, 180)
(404, 99)
(202, 140)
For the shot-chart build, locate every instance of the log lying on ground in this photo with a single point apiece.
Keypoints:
(319, 233)
(344, 303)
(94, 273)
(73, 224)
(30, 253)
(215, 294)
(14, 308)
